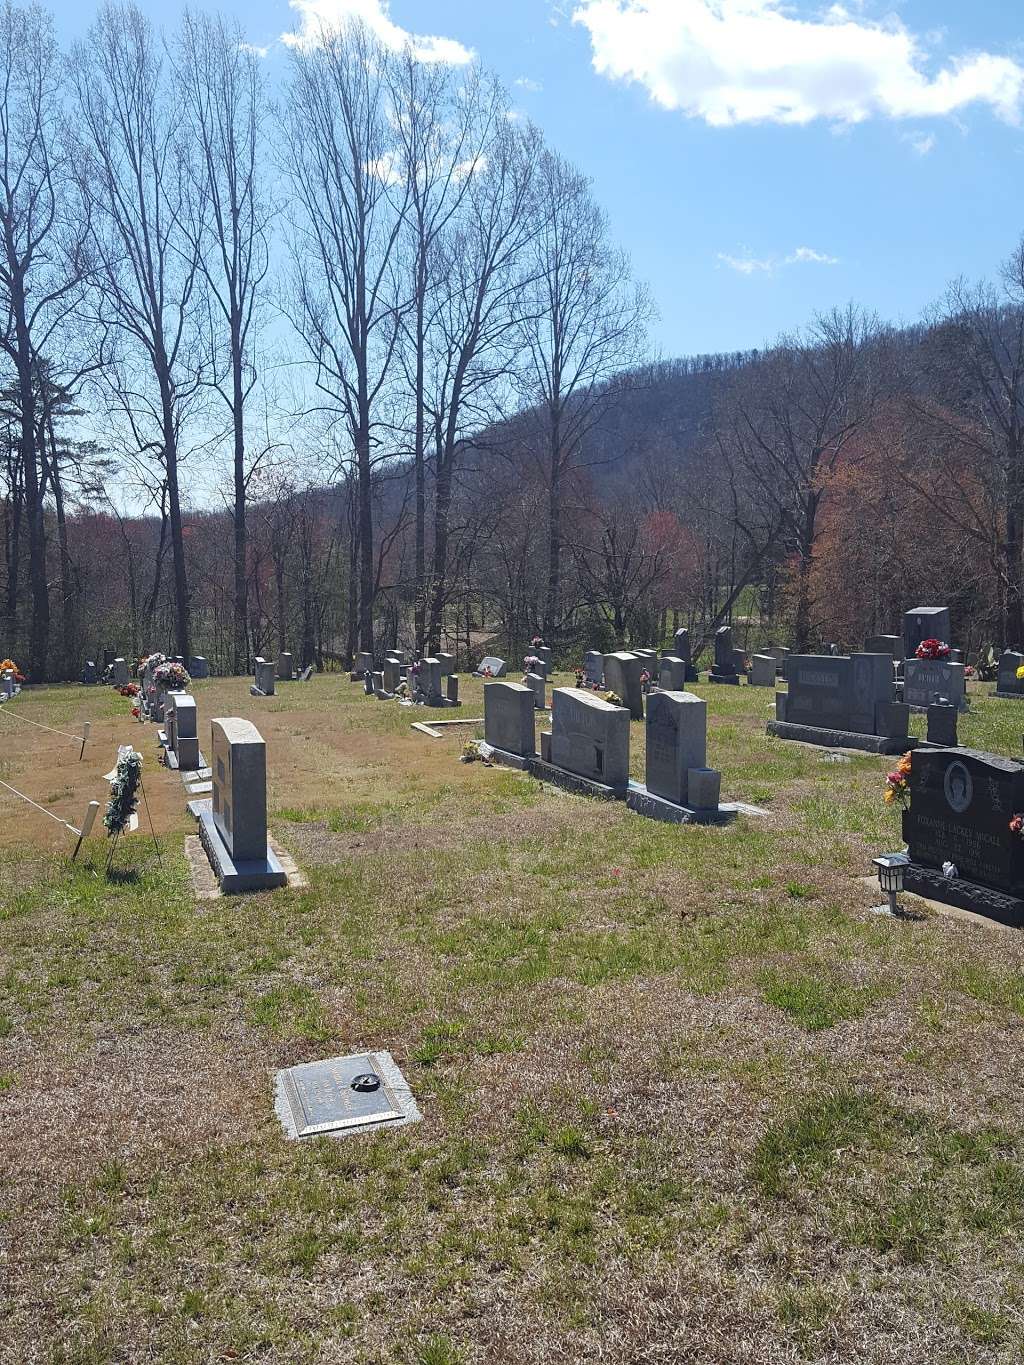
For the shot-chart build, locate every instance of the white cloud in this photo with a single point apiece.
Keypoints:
(745, 265)
(756, 265)
(317, 15)
(526, 83)
(748, 61)
(255, 48)
(922, 143)
(806, 255)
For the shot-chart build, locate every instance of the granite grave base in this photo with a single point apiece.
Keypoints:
(842, 739)
(964, 894)
(256, 874)
(643, 802)
(521, 762)
(573, 782)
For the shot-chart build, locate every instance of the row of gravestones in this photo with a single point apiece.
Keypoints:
(120, 673)
(587, 748)
(430, 682)
(267, 674)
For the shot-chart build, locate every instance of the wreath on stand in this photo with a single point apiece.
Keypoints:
(124, 797)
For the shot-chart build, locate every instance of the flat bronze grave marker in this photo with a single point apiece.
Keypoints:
(343, 1094)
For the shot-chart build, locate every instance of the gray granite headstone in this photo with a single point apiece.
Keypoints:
(239, 763)
(926, 681)
(593, 667)
(452, 689)
(884, 644)
(447, 662)
(724, 667)
(119, 673)
(538, 686)
(508, 718)
(672, 674)
(762, 670)
(183, 721)
(491, 666)
(200, 668)
(704, 788)
(676, 730)
(430, 681)
(681, 645)
(924, 623)
(264, 676)
(942, 726)
(391, 675)
(284, 666)
(622, 676)
(89, 672)
(1007, 682)
(838, 692)
(590, 737)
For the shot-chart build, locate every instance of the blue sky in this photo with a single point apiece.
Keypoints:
(759, 160)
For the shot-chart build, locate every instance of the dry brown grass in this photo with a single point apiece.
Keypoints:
(684, 1098)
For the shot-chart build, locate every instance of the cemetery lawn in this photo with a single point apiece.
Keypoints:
(684, 1097)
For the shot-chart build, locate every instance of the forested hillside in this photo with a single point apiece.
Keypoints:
(356, 360)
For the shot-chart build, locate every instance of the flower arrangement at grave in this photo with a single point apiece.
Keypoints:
(968, 672)
(897, 785)
(124, 792)
(613, 699)
(1017, 825)
(579, 676)
(932, 649)
(530, 662)
(645, 679)
(129, 690)
(487, 672)
(171, 676)
(9, 666)
(470, 751)
(1020, 673)
(537, 642)
(148, 660)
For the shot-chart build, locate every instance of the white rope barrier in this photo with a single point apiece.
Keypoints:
(91, 811)
(11, 715)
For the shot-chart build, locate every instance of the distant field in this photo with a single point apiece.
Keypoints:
(684, 1097)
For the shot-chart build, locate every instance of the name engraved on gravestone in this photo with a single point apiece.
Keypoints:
(838, 692)
(927, 680)
(326, 1097)
(961, 803)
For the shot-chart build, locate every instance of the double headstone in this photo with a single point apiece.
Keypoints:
(622, 676)
(590, 737)
(927, 681)
(508, 719)
(839, 693)
(234, 828)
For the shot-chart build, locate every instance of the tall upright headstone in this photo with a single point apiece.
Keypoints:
(285, 671)
(538, 686)
(724, 668)
(264, 684)
(234, 827)
(622, 676)
(508, 721)
(924, 623)
(593, 667)
(672, 676)
(676, 727)
(119, 674)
